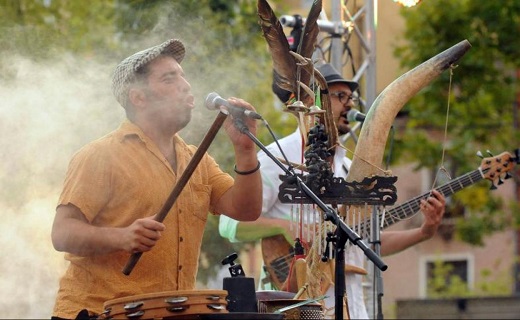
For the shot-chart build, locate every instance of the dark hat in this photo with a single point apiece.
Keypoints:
(332, 75)
(124, 73)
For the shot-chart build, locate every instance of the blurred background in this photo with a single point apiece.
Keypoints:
(56, 63)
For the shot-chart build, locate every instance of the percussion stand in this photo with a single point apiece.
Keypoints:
(343, 232)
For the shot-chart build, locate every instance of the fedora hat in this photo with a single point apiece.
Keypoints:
(332, 75)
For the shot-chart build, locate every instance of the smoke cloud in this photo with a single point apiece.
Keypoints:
(48, 111)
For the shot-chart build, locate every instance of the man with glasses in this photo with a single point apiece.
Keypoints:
(276, 216)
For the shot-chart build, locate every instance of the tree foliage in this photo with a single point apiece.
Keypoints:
(480, 111)
(42, 29)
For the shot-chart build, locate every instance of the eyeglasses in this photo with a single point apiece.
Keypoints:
(344, 97)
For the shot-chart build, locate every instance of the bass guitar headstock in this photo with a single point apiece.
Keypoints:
(496, 168)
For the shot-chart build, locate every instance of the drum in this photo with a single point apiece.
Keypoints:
(312, 310)
(187, 304)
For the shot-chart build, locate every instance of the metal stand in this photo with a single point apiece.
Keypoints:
(375, 237)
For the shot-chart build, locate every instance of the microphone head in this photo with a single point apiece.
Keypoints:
(211, 101)
(354, 115)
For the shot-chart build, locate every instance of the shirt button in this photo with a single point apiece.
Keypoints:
(181, 239)
(180, 268)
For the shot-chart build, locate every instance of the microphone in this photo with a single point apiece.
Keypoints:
(331, 27)
(214, 101)
(355, 115)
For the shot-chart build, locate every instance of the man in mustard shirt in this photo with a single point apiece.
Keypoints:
(116, 184)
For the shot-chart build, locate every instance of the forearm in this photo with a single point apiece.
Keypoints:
(262, 228)
(246, 193)
(82, 239)
(396, 241)
(433, 211)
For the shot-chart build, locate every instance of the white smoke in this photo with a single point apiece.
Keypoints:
(48, 111)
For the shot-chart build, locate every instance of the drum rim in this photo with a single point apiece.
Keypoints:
(153, 295)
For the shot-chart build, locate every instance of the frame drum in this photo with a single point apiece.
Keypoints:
(167, 305)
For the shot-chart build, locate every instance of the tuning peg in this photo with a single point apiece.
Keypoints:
(489, 152)
(500, 181)
(508, 175)
(480, 155)
(493, 187)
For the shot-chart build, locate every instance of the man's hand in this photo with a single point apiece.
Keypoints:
(142, 235)
(239, 140)
(433, 210)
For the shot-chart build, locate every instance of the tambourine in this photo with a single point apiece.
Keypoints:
(167, 305)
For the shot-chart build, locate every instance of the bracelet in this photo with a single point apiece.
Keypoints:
(245, 173)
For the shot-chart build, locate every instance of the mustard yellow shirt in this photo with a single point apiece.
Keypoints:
(122, 177)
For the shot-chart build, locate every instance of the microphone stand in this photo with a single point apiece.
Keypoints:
(375, 237)
(343, 232)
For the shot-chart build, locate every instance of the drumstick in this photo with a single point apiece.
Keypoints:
(299, 304)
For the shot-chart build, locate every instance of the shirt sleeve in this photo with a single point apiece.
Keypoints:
(270, 182)
(227, 228)
(87, 182)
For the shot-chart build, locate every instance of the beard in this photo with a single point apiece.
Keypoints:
(175, 113)
(343, 130)
(183, 118)
(342, 125)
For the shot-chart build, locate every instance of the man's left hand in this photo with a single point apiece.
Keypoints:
(433, 209)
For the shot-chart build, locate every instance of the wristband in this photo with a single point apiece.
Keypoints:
(245, 173)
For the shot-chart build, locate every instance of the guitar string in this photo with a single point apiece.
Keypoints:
(442, 168)
(412, 206)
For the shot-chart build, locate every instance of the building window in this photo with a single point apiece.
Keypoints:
(446, 275)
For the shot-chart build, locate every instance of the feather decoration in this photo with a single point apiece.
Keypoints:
(284, 65)
(310, 31)
(287, 74)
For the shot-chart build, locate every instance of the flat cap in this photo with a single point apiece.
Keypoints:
(125, 71)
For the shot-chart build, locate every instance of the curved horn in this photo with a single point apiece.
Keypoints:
(374, 132)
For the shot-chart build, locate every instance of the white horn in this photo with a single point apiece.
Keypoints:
(374, 132)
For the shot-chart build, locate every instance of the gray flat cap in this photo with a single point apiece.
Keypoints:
(125, 71)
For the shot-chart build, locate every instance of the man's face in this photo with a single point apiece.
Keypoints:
(341, 102)
(168, 93)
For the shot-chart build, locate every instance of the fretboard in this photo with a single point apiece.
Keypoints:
(411, 206)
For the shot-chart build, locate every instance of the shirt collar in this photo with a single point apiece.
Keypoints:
(128, 129)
